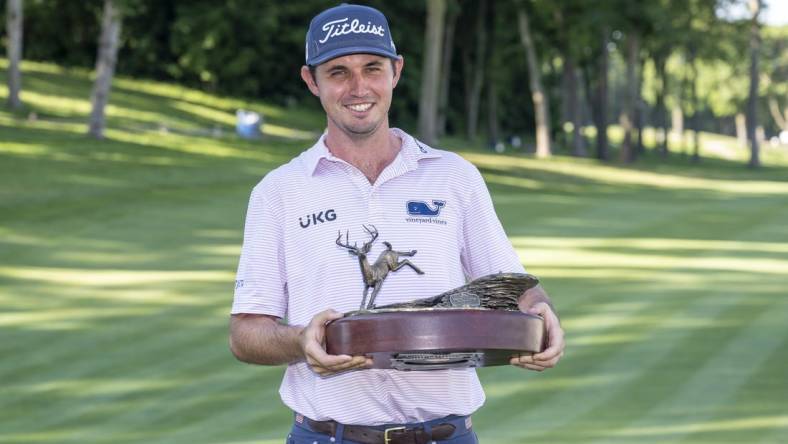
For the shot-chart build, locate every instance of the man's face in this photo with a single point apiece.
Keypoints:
(355, 91)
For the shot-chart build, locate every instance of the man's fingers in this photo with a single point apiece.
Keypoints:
(555, 334)
(356, 362)
(527, 362)
(555, 345)
(535, 361)
(317, 358)
(326, 315)
(549, 353)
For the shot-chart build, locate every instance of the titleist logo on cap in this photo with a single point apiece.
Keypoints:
(341, 26)
(348, 29)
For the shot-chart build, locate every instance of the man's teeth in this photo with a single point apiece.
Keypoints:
(360, 107)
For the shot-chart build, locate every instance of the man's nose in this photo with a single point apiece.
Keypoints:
(359, 85)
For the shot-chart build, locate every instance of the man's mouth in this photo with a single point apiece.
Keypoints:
(359, 107)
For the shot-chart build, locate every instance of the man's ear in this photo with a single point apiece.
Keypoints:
(398, 65)
(306, 75)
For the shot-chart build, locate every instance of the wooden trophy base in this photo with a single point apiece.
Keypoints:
(435, 338)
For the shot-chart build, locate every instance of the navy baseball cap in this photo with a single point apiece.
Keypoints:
(348, 29)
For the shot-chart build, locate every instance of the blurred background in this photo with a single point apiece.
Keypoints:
(636, 152)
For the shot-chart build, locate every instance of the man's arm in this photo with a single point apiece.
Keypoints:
(535, 301)
(262, 339)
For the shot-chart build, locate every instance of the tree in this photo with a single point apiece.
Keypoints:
(595, 76)
(474, 72)
(752, 103)
(773, 67)
(493, 67)
(14, 28)
(568, 20)
(631, 96)
(538, 95)
(659, 45)
(105, 67)
(453, 11)
(694, 102)
(430, 91)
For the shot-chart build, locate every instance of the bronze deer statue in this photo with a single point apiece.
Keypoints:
(375, 274)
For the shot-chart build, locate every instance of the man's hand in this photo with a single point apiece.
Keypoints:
(313, 341)
(555, 341)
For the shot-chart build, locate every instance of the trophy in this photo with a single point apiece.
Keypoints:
(477, 324)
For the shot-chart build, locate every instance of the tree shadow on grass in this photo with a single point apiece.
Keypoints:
(137, 109)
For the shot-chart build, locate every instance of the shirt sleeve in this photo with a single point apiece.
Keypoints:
(261, 284)
(486, 248)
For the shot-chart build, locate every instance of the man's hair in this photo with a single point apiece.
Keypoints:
(313, 69)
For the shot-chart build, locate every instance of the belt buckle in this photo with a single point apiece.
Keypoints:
(386, 438)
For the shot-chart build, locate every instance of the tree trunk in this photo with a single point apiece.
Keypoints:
(447, 52)
(780, 118)
(677, 123)
(467, 82)
(105, 67)
(578, 144)
(600, 101)
(474, 98)
(428, 104)
(741, 130)
(537, 92)
(695, 119)
(660, 63)
(627, 118)
(571, 104)
(640, 108)
(493, 128)
(752, 102)
(14, 19)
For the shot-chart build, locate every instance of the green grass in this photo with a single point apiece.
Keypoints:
(117, 259)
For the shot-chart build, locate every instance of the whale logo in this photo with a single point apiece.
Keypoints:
(421, 208)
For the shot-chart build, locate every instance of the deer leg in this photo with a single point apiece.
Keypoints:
(409, 264)
(406, 253)
(364, 300)
(374, 295)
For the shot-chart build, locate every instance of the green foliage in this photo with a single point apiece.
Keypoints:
(248, 48)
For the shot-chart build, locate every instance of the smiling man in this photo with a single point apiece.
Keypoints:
(363, 173)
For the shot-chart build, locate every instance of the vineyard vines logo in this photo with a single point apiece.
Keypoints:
(317, 218)
(420, 212)
(421, 208)
(340, 27)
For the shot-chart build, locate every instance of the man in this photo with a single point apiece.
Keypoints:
(362, 173)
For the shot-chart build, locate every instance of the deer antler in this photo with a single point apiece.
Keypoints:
(374, 235)
(373, 232)
(353, 247)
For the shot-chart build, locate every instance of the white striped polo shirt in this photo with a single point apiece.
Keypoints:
(428, 200)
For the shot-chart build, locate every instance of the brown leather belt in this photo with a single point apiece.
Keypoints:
(393, 435)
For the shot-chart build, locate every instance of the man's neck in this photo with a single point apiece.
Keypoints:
(371, 155)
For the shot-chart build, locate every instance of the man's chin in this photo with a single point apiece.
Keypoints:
(362, 131)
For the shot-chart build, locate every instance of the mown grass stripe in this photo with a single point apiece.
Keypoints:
(148, 358)
(622, 364)
(712, 386)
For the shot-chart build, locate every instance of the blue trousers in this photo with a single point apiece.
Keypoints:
(301, 433)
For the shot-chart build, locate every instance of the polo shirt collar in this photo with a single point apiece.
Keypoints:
(411, 153)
